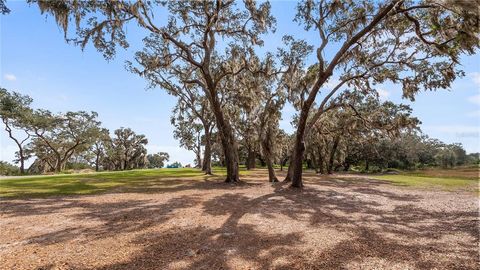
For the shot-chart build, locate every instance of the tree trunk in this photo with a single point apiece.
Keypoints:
(367, 167)
(289, 176)
(263, 163)
(58, 166)
(97, 161)
(321, 169)
(227, 137)
(207, 154)
(297, 159)
(251, 158)
(229, 145)
(124, 164)
(231, 158)
(271, 171)
(222, 160)
(199, 152)
(22, 160)
(267, 151)
(299, 144)
(314, 161)
(332, 155)
(21, 156)
(310, 163)
(346, 166)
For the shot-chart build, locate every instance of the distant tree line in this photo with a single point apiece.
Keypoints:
(407, 151)
(73, 140)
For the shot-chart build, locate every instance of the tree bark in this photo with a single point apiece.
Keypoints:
(198, 153)
(271, 171)
(230, 150)
(21, 156)
(321, 169)
(267, 151)
(22, 164)
(297, 159)
(58, 165)
(207, 153)
(263, 163)
(251, 158)
(229, 144)
(97, 161)
(310, 163)
(346, 167)
(289, 176)
(299, 144)
(332, 154)
(227, 137)
(314, 161)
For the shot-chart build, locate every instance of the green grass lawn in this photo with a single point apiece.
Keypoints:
(158, 179)
(426, 181)
(90, 183)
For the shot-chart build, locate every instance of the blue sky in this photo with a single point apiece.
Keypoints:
(35, 60)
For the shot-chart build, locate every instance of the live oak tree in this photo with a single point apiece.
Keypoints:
(97, 151)
(268, 97)
(8, 169)
(185, 50)
(268, 129)
(409, 150)
(243, 108)
(14, 112)
(188, 132)
(247, 128)
(3, 8)
(73, 138)
(127, 150)
(283, 147)
(415, 44)
(59, 136)
(157, 160)
(360, 120)
(192, 114)
(296, 79)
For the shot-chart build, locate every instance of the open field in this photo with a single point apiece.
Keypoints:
(471, 172)
(158, 221)
(90, 183)
(462, 178)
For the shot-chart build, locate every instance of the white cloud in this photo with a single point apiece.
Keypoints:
(10, 77)
(475, 77)
(383, 94)
(475, 99)
(475, 114)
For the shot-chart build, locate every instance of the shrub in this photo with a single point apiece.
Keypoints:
(8, 169)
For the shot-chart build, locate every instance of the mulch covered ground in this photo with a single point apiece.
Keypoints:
(335, 222)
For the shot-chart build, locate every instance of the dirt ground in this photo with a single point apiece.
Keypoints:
(334, 223)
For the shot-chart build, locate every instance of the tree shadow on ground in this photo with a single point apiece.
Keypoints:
(49, 205)
(265, 230)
